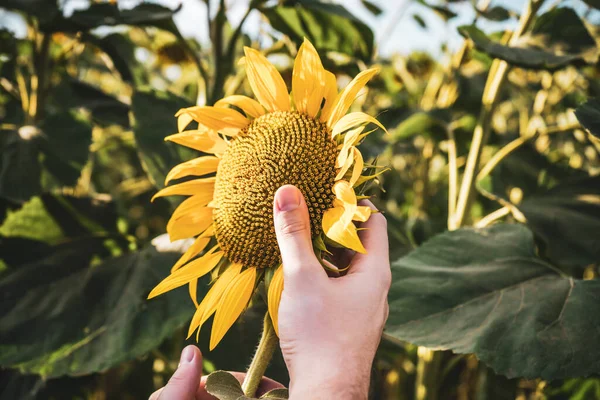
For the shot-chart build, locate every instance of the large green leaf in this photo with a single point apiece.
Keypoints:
(588, 115)
(529, 58)
(153, 112)
(330, 27)
(19, 165)
(487, 292)
(104, 108)
(121, 50)
(567, 219)
(66, 141)
(60, 317)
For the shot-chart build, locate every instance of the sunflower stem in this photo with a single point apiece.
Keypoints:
(261, 359)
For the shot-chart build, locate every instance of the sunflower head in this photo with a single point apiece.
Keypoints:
(305, 139)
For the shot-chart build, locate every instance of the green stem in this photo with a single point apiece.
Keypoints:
(264, 353)
(495, 80)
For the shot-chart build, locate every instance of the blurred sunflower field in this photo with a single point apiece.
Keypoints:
(491, 191)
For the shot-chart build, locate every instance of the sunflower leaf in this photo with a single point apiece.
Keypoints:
(224, 386)
(487, 292)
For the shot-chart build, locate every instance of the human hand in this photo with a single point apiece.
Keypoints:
(329, 328)
(187, 383)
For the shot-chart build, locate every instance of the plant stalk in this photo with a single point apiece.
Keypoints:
(498, 73)
(262, 357)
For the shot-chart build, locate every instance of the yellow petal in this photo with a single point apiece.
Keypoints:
(358, 166)
(266, 82)
(224, 120)
(204, 140)
(196, 248)
(251, 107)
(338, 226)
(362, 213)
(352, 120)
(192, 204)
(347, 157)
(330, 93)
(183, 120)
(274, 297)
(198, 166)
(193, 288)
(189, 223)
(212, 298)
(308, 80)
(344, 192)
(205, 185)
(346, 97)
(232, 303)
(187, 273)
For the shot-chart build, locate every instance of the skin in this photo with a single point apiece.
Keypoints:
(329, 328)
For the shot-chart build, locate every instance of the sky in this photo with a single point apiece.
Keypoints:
(396, 30)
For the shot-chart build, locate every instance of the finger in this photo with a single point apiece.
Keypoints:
(184, 383)
(266, 385)
(373, 236)
(292, 227)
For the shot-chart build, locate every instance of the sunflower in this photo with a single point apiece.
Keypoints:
(306, 139)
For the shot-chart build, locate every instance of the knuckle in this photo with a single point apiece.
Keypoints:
(291, 225)
(386, 279)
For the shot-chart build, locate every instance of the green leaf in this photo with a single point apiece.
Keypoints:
(588, 115)
(32, 221)
(223, 386)
(419, 20)
(92, 318)
(121, 50)
(46, 11)
(329, 27)
(567, 220)
(154, 112)
(443, 12)
(66, 141)
(528, 58)
(419, 123)
(276, 394)
(495, 13)
(19, 165)
(105, 109)
(487, 292)
(562, 31)
(372, 7)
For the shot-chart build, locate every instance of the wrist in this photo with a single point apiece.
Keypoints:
(345, 381)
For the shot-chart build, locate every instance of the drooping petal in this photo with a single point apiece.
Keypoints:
(190, 223)
(348, 159)
(205, 185)
(308, 80)
(338, 226)
(198, 166)
(232, 303)
(212, 298)
(330, 94)
(346, 97)
(204, 140)
(183, 120)
(266, 82)
(193, 289)
(224, 120)
(251, 107)
(274, 297)
(362, 213)
(187, 273)
(353, 120)
(344, 192)
(358, 166)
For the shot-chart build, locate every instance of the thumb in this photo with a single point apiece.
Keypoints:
(292, 227)
(185, 381)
